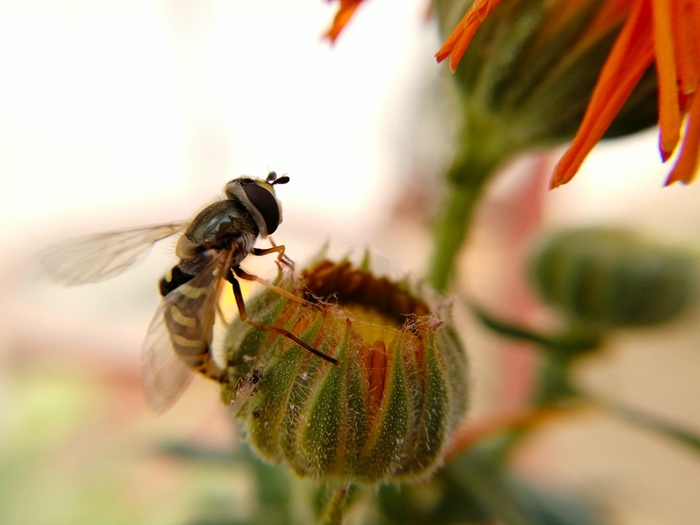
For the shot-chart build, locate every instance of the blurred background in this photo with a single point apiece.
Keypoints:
(121, 113)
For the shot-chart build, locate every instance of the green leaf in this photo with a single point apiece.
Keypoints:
(565, 343)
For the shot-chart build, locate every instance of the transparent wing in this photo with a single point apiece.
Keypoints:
(105, 255)
(165, 374)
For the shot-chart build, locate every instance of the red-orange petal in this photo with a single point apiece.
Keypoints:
(687, 163)
(669, 112)
(608, 15)
(685, 26)
(458, 41)
(342, 17)
(630, 56)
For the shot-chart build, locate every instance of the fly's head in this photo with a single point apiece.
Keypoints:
(258, 197)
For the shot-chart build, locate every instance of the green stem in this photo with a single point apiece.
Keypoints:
(574, 340)
(336, 506)
(466, 180)
(647, 421)
(553, 384)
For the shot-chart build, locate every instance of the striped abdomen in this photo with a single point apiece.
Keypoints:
(190, 295)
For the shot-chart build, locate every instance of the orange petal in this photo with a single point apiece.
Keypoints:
(342, 17)
(669, 111)
(685, 25)
(458, 41)
(630, 56)
(609, 14)
(687, 18)
(687, 163)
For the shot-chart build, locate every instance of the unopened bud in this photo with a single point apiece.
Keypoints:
(384, 412)
(612, 278)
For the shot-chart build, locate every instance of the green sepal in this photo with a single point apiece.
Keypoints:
(321, 442)
(432, 425)
(386, 439)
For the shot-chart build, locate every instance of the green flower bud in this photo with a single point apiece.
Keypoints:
(612, 278)
(527, 71)
(527, 76)
(384, 412)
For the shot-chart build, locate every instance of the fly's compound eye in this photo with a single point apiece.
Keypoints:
(265, 206)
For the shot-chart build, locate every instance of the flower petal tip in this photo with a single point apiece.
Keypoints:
(666, 150)
(559, 178)
(330, 37)
(674, 177)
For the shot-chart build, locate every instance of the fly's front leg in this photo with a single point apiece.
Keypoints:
(240, 272)
(279, 248)
(272, 329)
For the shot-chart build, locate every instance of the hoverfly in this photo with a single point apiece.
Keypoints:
(211, 249)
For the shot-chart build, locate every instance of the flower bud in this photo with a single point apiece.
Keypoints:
(384, 412)
(529, 70)
(613, 278)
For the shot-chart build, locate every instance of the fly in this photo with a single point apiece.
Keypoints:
(210, 250)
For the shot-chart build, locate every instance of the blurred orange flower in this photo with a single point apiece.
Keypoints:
(663, 32)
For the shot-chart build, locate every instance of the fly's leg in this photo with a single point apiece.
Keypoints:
(279, 249)
(210, 369)
(272, 329)
(275, 248)
(250, 277)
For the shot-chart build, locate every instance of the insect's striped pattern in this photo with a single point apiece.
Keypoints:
(210, 250)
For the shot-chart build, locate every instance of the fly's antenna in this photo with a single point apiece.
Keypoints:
(272, 178)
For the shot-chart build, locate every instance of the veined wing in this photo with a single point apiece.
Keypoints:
(164, 375)
(104, 255)
(180, 335)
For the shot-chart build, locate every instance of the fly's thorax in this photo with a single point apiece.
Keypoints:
(258, 197)
(224, 225)
(385, 412)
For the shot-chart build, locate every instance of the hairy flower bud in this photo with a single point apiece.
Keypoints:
(384, 412)
(612, 278)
